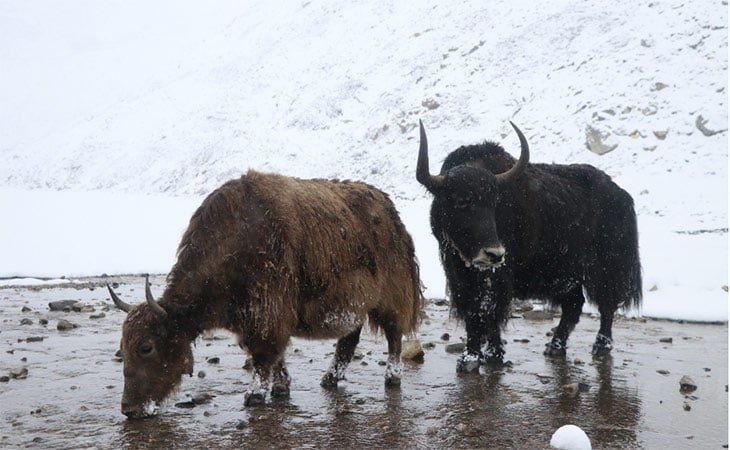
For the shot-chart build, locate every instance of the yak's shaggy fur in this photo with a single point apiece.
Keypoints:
(269, 257)
(546, 231)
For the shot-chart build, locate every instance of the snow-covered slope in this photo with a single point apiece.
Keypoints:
(175, 97)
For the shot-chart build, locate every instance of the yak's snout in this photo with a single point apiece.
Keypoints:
(489, 257)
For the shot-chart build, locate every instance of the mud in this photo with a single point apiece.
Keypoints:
(71, 396)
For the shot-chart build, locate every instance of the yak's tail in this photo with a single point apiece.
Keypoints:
(614, 272)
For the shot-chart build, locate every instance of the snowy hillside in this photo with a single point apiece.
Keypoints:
(129, 99)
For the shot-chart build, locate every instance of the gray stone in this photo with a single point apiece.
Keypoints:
(60, 305)
(666, 340)
(64, 325)
(686, 384)
(661, 134)
(411, 350)
(457, 347)
(594, 142)
(20, 373)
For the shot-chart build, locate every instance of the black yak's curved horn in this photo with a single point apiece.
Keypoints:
(423, 175)
(126, 307)
(159, 310)
(521, 163)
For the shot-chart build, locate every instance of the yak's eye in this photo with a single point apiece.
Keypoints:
(145, 349)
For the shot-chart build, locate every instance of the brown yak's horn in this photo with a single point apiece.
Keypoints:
(521, 163)
(126, 307)
(423, 175)
(159, 310)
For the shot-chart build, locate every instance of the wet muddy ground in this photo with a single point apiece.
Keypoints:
(71, 394)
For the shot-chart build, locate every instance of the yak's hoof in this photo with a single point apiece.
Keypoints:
(329, 381)
(254, 398)
(468, 363)
(493, 356)
(554, 349)
(602, 346)
(392, 382)
(279, 390)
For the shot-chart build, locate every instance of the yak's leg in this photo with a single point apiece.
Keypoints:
(470, 360)
(343, 355)
(266, 353)
(281, 380)
(604, 339)
(571, 305)
(394, 367)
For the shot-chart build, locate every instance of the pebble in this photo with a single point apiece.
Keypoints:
(666, 340)
(43, 321)
(686, 406)
(431, 431)
(460, 427)
(4, 379)
(214, 360)
(411, 350)
(201, 374)
(663, 371)
(578, 362)
(445, 337)
(381, 363)
(25, 309)
(522, 341)
(61, 305)
(65, 325)
(26, 321)
(97, 316)
(686, 384)
(455, 348)
(20, 373)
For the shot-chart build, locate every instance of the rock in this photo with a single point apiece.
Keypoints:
(460, 428)
(430, 104)
(661, 134)
(202, 399)
(663, 371)
(431, 431)
(381, 363)
(538, 315)
(20, 373)
(594, 142)
(43, 321)
(578, 362)
(97, 316)
(658, 86)
(61, 305)
(686, 384)
(26, 321)
(455, 348)
(25, 309)
(34, 339)
(411, 350)
(686, 406)
(64, 325)
(571, 389)
(186, 405)
(700, 124)
(521, 341)
(241, 425)
(201, 374)
(77, 307)
(4, 379)
(666, 340)
(445, 337)
(214, 360)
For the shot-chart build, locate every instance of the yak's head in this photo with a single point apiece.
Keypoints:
(465, 200)
(156, 354)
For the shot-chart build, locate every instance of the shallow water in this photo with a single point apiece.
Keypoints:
(72, 394)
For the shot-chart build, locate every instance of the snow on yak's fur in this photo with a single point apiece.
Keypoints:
(511, 229)
(268, 257)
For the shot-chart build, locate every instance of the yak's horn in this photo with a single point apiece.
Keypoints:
(126, 307)
(159, 310)
(521, 163)
(423, 175)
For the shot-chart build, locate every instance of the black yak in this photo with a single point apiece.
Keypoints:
(506, 229)
(269, 257)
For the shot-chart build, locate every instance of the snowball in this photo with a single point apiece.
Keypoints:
(570, 437)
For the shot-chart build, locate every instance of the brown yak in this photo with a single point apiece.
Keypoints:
(269, 257)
